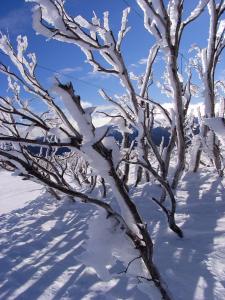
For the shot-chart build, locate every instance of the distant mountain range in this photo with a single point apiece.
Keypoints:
(157, 134)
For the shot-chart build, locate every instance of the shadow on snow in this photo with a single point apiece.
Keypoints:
(189, 265)
(39, 246)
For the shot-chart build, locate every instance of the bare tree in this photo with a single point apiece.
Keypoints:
(21, 127)
(92, 155)
(167, 26)
(205, 62)
(92, 37)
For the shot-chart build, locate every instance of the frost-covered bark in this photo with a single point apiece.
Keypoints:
(92, 155)
(166, 25)
(205, 63)
(51, 20)
(74, 130)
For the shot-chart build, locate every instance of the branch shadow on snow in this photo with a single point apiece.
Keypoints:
(39, 246)
(187, 264)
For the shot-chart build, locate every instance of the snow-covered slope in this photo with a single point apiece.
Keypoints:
(15, 192)
(40, 246)
(42, 242)
(193, 267)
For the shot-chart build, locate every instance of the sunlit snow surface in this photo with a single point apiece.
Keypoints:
(43, 242)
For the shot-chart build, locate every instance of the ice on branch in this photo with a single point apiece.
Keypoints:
(218, 126)
(124, 29)
(197, 11)
(73, 105)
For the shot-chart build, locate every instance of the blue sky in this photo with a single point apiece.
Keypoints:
(15, 18)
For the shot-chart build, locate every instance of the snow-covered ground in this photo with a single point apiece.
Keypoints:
(43, 241)
(16, 193)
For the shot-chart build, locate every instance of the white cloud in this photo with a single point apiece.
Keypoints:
(142, 61)
(86, 104)
(66, 71)
(96, 75)
(194, 109)
(134, 65)
(106, 107)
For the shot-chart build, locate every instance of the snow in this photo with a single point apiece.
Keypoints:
(220, 29)
(192, 267)
(41, 242)
(218, 126)
(50, 12)
(102, 231)
(106, 20)
(151, 57)
(200, 6)
(53, 249)
(18, 193)
(81, 119)
(173, 14)
(196, 143)
(123, 29)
